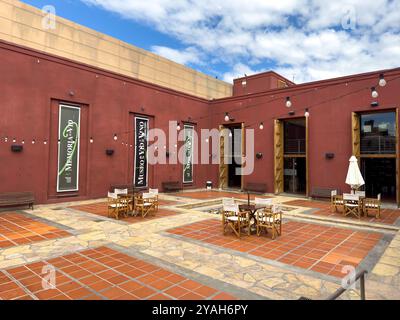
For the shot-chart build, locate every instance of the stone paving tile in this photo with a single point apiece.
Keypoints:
(102, 273)
(101, 210)
(17, 229)
(388, 216)
(190, 257)
(203, 195)
(314, 247)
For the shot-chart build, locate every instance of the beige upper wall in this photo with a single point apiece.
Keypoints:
(22, 24)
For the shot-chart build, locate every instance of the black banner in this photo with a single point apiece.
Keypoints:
(68, 148)
(188, 154)
(141, 147)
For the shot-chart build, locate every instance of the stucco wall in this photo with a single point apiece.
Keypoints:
(22, 24)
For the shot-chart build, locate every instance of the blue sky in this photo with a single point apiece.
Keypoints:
(302, 39)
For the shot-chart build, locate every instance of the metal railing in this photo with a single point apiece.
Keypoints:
(378, 144)
(295, 146)
(359, 276)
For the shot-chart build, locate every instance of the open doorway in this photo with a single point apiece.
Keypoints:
(231, 157)
(235, 153)
(295, 158)
(380, 177)
(295, 175)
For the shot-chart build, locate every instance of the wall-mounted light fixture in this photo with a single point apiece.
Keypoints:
(16, 148)
(288, 102)
(374, 93)
(259, 155)
(382, 81)
(292, 113)
(329, 155)
(109, 152)
(375, 104)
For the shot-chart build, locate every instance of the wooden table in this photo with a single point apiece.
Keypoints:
(252, 209)
(131, 198)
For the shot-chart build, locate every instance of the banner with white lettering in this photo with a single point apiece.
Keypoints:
(68, 148)
(141, 147)
(188, 154)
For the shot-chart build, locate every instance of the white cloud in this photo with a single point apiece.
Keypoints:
(238, 71)
(187, 56)
(304, 38)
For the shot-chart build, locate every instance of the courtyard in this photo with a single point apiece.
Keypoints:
(181, 252)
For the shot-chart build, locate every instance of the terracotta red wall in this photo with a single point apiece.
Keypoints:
(33, 84)
(258, 83)
(331, 104)
(30, 94)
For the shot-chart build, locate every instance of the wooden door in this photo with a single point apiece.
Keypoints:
(278, 156)
(355, 135)
(223, 167)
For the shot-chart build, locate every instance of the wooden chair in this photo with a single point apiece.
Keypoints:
(154, 192)
(116, 205)
(336, 201)
(371, 204)
(360, 193)
(144, 204)
(261, 202)
(125, 198)
(352, 205)
(228, 201)
(235, 220)
(268, 219)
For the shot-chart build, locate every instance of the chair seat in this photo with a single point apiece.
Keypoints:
(269, 220)
(371, 206)
(144, 204)
(351, 205)
(119, 205)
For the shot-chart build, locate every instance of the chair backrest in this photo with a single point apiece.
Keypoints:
(276, 208)
(148, 195)
(231, 208)
(121, 191)
(379, 197)
(228, 201)
(333, 193)
(263, 202)
(112, 195)
(360, 193)
(351, 197)
(153, 191)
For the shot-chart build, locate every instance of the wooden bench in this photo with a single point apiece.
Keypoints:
(256, 187)
(16, 199)
(322, 193)
(171, 186)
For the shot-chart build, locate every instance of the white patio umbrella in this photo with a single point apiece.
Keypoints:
(354, 178)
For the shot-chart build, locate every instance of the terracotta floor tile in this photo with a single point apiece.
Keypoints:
(320, 243)
(143, 292)
(130, 286)
(113, 293)
(79, 293)
(176, 292)
(161, 284)
(224, 296)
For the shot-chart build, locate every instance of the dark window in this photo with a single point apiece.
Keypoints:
(295, 136)
(378, 133)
